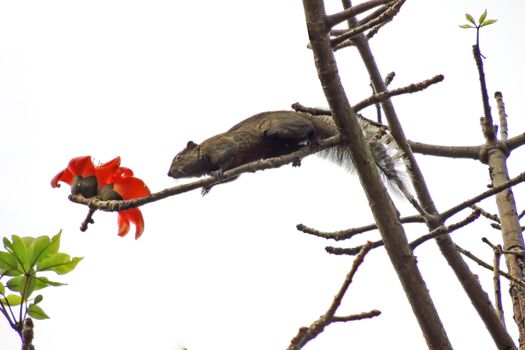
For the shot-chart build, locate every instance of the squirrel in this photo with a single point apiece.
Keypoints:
(272, 134)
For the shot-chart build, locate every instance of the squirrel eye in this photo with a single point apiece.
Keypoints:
(177, 157)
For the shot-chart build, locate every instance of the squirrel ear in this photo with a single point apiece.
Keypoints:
(191, 145)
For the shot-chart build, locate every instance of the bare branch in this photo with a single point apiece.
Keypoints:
(342, 16)
(471, 152)
(493, 217)
(386, 16)
(383, 96)
(487, 125)
(488, 266)
(442, 230)
(306, 334)
(349, 233)
(515, 142)
(504, 131)
(361, 316)
(375, 98)
(496, 189)
(496, 280)
(439, 231)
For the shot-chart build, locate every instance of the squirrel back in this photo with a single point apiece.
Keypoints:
(272, 134)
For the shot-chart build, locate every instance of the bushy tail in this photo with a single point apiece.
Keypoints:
(387, 155)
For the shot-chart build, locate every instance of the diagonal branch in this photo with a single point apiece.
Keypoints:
(383, 209)
(342, 16)
(488, 266)
(386, 16)
(306, 334)
(349, 233)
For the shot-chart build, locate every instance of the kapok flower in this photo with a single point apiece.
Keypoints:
(107, 181)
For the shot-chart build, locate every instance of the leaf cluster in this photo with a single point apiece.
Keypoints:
(482, 21)
(23, 264)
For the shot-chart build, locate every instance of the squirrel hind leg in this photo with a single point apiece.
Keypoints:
(296, 130)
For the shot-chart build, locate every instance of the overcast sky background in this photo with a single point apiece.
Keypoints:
(230, 271)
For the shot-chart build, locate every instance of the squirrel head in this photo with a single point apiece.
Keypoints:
(187, 162)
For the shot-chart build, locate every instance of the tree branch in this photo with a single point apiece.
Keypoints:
(383, 209)
(305, 334)
(496, 280)
(494, 190)
(336, 18)
(503, 130)
(349, 233)
(488, 266)
(386, 16)
(439, 231)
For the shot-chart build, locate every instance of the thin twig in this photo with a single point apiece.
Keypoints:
(361, 316)
(342, 16)
(439, 231)
(380, 97)
(389, 78)
(486, 122)
(496, 280)
(349, 233)
(386, 16)
(305, 334)
(88, 220)
(488, 266)
(496, 189)
(493, 217)
(409, 89)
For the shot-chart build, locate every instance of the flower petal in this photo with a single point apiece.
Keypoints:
(64, 176)
(131, 187)
(123, 225)
(106, 171)
(131, 215)
(122, 173)
(82, 166)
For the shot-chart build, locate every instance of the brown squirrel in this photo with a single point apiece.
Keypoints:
(272, 134)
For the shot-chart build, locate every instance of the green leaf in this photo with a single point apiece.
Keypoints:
(488, 22)
(61, 263)
(2, 288)
(36, 312)
(12, 300)
(18, 283)
(470, 18)
(55, 242)
(466, 26)
(21, 252)
(7, 244)
(39, 249)
(27, 241)
(43, 282)
(38, 299)
(9, 264)
(483, 16)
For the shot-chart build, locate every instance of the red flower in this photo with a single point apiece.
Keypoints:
(108, 181)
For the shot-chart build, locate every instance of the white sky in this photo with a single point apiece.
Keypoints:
(139, 79)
